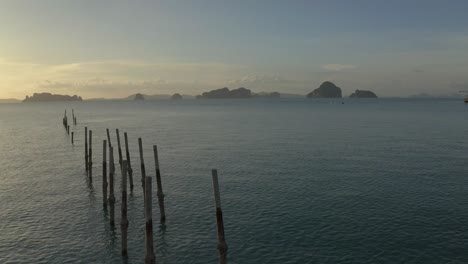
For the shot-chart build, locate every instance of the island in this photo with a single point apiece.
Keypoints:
(48, 97)
(363, 94)
(176, 96)
(225, 93)
(326, 90)
(139, 97)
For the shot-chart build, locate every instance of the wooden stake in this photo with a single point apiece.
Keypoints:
(160, 193)
(73, 138)
(222, 246)
(129, 164)
(150, 258)
(142, 163)
(104, 173)
(90, 156)
(123, 217)
(120, 149)
(108, 138)
(68, 129)
(111, 187)
(86, 148)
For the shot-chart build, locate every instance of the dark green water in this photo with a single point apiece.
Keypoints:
(302, 181)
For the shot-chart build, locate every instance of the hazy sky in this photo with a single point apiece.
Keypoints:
(114, 48)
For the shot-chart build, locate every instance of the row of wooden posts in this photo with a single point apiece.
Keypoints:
(146, 182)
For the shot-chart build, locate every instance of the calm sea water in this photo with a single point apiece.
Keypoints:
(302, 181)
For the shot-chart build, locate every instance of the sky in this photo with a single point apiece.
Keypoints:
(114, 48)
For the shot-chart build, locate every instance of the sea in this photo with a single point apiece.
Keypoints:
(350, 181)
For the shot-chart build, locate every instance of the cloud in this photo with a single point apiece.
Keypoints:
(111, 78)
(338, 67)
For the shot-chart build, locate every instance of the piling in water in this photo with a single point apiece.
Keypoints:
(160, 193)
(68, 129)
(120, 148)
(142, 164)
(73, 138)
(90, 156)
(222, 246)
(108, 138)
(104, 173)
(111, 187)
(86, 148)
(123, 217)
(129, 164)
(149, 258)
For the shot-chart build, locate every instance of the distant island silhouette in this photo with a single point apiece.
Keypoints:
(176, 96)
(139, 97)
(48, 97)
(363, 94)
(326, 90)
(239, 93)
(225, 93)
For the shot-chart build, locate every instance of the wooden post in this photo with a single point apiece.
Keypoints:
(111, 187)
(222, 246)
(149, 258)
(73, 138)
(90, 155)
(160, 193)
(142, 164)
(86, 148)
(123, 217)
(68, 129)
(104, 173)
(120, 149)
(108, 138)
(129, 164)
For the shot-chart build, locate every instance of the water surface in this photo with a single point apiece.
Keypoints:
(302, 181)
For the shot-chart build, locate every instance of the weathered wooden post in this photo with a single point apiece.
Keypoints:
(149, 258)
(104, 173)
(123, 217)
(73, 138)
(111, 187)
(142, 164)
(120, 149)
(129, 164)
(160, 193)
(90, 155)
(68, 129)
(86, 148)
(222, 246)
(108, 138)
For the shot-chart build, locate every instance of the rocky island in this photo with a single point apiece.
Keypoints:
(139, 97)
(225, 93)
(326, 90)
(176, 96)
(48, 97)
(363, 94)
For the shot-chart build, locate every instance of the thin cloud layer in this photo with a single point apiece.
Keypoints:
(338, 67)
